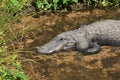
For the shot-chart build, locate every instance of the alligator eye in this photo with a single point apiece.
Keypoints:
(61, 39)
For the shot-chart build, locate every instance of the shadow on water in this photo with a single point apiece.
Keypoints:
(66, 65)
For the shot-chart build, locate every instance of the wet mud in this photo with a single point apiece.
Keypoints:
(68, 65)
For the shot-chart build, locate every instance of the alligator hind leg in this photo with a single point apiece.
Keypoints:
(94, 48)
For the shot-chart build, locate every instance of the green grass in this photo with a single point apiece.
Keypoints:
(10, 67)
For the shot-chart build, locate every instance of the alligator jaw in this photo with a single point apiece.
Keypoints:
(39, 50)
(50, 47)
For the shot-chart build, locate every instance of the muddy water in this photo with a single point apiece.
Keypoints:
(68, 65)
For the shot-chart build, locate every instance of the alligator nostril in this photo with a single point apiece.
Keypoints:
(42, 48)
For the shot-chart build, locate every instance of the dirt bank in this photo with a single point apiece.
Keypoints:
(67, 65)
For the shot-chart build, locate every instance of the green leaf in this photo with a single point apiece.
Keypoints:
(55, 6)
(21, 75)
(15, 2)
(13, 57)
(55, 1)
(75, 1)
(64, 1)
(39, 4)
(105, 3)
(1, 32)
(48, 6)
(96, 1)
(45, 2)
(24, 1)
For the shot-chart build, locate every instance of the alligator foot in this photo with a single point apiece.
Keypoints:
(94, 48)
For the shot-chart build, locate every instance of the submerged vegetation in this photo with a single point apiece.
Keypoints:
(10, 68)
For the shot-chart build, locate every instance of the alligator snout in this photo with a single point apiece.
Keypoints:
(59, 43)
(43, 50)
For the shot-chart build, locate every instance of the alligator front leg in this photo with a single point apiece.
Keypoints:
(94, 48)
(82, 44)
(86, 45)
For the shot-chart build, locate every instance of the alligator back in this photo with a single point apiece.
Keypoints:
(104, 32)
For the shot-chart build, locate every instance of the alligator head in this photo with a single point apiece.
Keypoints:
(63, 41)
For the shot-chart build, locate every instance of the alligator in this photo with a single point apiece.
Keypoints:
(87, 39)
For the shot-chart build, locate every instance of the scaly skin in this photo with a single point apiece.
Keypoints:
(87, 38)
